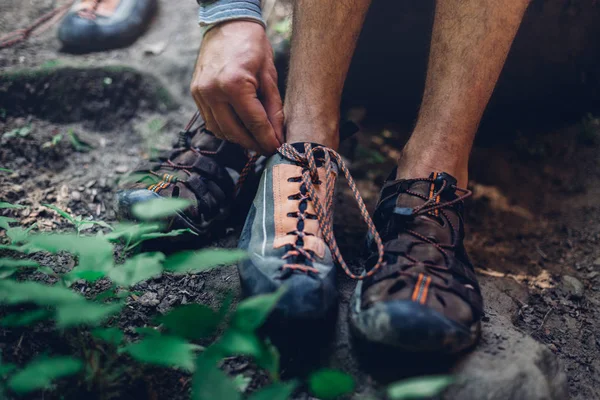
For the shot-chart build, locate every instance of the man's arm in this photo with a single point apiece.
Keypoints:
(213, 12)
(235, 81)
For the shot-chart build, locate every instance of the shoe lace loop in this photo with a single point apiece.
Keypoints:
(432, 205)
(310, 175)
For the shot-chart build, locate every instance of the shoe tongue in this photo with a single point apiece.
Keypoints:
(424, 188)
(299, 146)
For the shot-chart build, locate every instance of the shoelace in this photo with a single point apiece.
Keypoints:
(433, 205)
(310, 175)
(183, 145)
(48, 19)
(89, 12)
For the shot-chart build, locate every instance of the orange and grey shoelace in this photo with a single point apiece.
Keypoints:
(323, 207)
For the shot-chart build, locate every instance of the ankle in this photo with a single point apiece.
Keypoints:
(422, 164)
(325, 133)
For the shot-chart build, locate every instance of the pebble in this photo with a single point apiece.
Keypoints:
(597, 262)
(149, 299)
(573, 287)
(121, 169)
(75, 195)
(593, 275)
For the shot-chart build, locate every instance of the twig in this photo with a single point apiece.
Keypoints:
(545, 318)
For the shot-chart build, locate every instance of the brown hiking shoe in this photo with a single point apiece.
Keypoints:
(426, 297)
(213, 174)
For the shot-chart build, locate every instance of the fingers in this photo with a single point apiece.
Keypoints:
(232, 128)
(271, 99)
(254, 117)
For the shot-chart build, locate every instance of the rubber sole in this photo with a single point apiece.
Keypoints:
(410, 327)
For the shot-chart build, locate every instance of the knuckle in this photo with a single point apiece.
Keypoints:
(233, 81)
(202, 87)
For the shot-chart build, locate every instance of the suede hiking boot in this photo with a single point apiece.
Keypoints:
(216, 176)
(289, 234)
(426, 297)
(92, 25)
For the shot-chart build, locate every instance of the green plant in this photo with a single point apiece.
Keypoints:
(171, 341)
(53, 142)
(18, 132)
(419, 388)
(78, 222)
(78, 144)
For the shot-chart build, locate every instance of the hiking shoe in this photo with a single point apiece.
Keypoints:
(102, 24)
(213, 174)
(288, 233)
(426, 297)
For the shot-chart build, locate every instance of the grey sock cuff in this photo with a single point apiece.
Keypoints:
(212, 13)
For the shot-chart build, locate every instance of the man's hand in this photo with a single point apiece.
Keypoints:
(235, 86)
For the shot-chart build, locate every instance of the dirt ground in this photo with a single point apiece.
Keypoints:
(533, 224)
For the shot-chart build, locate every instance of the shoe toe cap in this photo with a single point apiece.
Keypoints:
(78, 32)
(411, 326)
(306, 296)
(126, 199)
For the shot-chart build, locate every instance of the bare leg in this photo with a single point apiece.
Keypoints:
(323, 41)
(470, 42)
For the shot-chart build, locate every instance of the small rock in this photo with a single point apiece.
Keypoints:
(121, 169)
(597, 262)
(75, 195)
(573, 287)
(593, 275)
(149, 299)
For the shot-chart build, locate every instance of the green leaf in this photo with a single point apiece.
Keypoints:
(40, 373)
(131, 232)
(242, 382)
(5, 222)
(84, 313)
(21, 132)
(13, 263)
(191, 321)
(204, 260)
(253, 312)
(329, 384)
(210, 383)
(234, 342)
(95, 252)
(5, 272)
(173, 233)
(25, 318)
(33, 292)
(8, 205)
(17, 234)
(78, 144)
(275, 391)
(167, 351)
(139, 268)
(112, 335)
(159, 208)
(10, 171)
(87, 275)
(60, 212)
(419, 388)
(6, 369)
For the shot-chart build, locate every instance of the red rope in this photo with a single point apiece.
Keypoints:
(21, 35)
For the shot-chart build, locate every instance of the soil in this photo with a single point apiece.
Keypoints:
(533, 223)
